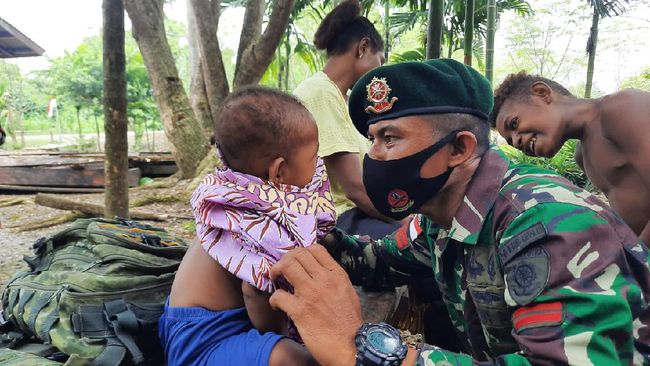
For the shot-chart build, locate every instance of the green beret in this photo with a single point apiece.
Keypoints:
(411, 88)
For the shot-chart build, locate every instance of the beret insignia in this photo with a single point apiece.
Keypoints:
(378, 91)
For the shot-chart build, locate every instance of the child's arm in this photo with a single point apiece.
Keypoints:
(263, 317)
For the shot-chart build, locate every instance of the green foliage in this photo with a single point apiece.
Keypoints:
(563, 162)
(76, 80)
(641, 81)
(454, 23)
(541, 43)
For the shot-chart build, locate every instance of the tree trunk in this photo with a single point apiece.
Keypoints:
(188, 144)
(256, 52)
(434, 30)
(206, 15)
(489, 39)
(198, 94)
(591, 51)
(469, 31)
(116, 196)
(387, 38)
(450, 46)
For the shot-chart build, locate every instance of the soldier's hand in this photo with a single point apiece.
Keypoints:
(324, 306)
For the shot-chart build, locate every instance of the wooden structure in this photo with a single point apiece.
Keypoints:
(74, 172)
(15, 44)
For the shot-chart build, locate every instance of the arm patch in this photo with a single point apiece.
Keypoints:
(520, 242)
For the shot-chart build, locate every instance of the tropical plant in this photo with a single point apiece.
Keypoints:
(562, 163)
(640, 81)
(453, 33)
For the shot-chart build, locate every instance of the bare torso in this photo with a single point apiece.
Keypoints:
(202, 282)
(608, 164)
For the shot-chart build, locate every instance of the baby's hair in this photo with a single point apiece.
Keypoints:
(343, 26)
(517, 86)
(259, 123)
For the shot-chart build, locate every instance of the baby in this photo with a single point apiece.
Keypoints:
(271, 196)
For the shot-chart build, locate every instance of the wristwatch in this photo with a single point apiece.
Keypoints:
(379, 345)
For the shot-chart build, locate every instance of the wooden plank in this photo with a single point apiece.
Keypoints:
(66, 176)
(5, 187)
(44, 160)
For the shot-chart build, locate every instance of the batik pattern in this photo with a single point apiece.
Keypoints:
(247, 224)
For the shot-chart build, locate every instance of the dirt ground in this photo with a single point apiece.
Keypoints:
(14, 245)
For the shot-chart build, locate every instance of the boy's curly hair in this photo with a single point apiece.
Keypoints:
(518, 86)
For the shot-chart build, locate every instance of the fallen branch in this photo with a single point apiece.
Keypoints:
(167, 182)
(13, 201)
(155, 198)
(57, 220)
(90, 209)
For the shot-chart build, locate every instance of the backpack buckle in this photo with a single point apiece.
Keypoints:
(39, 244)
(151, 240)
(131, 223)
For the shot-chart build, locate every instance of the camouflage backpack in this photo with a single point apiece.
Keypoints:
(92, 295)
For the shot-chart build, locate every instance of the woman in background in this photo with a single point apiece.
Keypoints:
(353, 48)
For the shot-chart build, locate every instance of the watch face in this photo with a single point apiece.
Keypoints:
(382, 341)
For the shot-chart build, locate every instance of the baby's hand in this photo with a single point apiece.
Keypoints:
(263, 317)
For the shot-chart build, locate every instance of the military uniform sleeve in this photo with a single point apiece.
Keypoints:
(576, 284)
(390, 261)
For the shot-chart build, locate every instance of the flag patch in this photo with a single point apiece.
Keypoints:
(539, 315)
(407, 233)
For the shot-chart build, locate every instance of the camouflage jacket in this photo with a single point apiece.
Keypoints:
(532, 271)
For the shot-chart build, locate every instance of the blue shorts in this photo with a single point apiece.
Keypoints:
(197, 336)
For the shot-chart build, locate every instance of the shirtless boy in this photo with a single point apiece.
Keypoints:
(537, 115)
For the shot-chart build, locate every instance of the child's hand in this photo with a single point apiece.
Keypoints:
(263, 317)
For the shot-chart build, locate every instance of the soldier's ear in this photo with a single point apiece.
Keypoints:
(462, 148)
(542, 90)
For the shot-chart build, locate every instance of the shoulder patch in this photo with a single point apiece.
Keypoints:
(527, 275)
(539, 315)
(520, 241)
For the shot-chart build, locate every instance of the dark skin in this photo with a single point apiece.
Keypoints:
(202, 282)
(345, 167)
(614, 146)
(324, 306)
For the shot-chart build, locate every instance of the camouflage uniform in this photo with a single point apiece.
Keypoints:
(532, 271)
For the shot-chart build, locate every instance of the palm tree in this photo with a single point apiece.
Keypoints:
(453, 31)
(602, 8)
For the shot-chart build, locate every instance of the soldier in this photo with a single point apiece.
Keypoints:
(533, 270)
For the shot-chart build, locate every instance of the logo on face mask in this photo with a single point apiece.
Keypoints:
(399, 201)
(378, 91)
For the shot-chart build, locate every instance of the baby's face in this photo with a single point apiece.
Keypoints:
(302, 164)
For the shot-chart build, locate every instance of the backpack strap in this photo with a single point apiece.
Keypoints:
(39, 303)
(125, 325)
(112, 355)
(113, 321)
(23, 298)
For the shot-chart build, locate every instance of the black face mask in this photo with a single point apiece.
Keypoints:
(396, 188)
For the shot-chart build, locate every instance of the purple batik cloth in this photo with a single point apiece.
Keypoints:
(247, 224)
